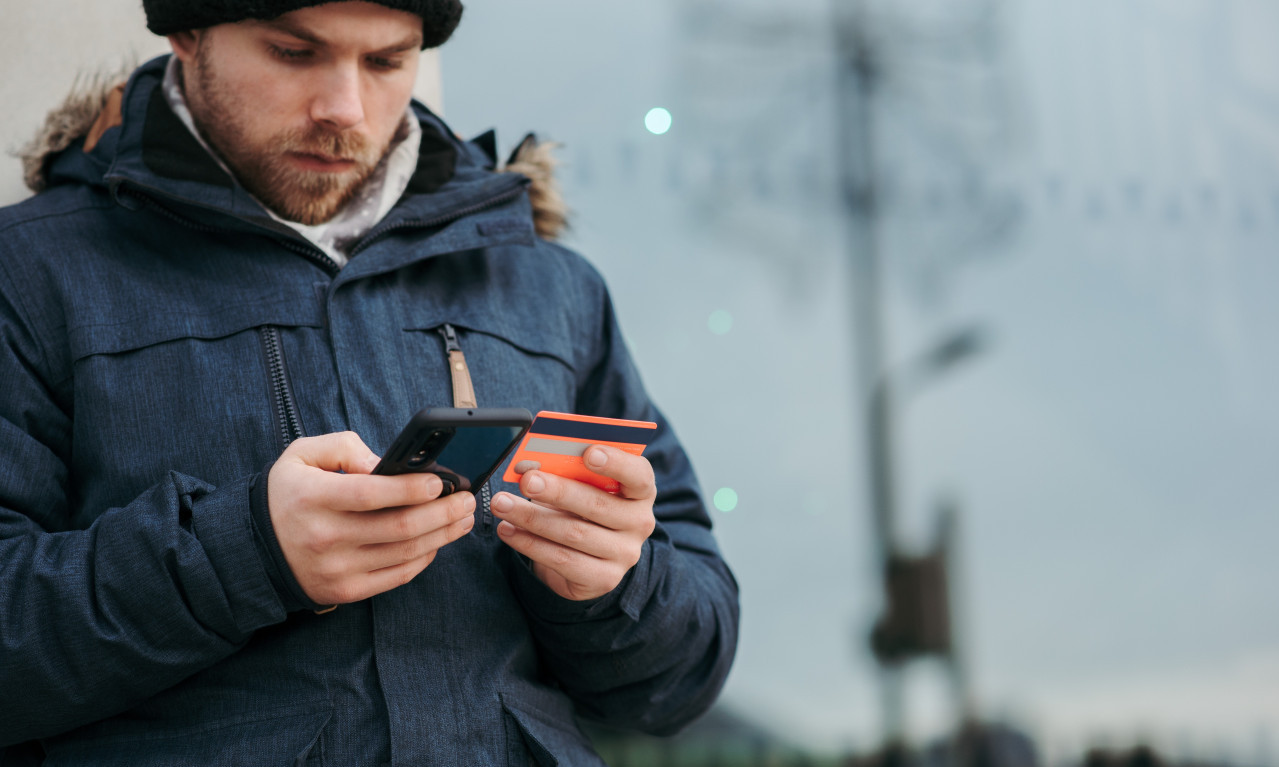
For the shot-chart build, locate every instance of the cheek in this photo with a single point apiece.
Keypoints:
(385, 108)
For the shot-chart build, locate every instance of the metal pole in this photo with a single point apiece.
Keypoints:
(857, 80)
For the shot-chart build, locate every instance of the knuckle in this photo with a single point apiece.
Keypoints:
(330, 571)
(403, 526)
(600, 503)
(407, 551)
(560, 557)
(409, 573)
(304, 494)
(576, 533)
(632, 560)
(649, 478)
(361, 496)
(320, 538)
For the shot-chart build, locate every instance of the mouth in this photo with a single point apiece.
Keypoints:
(320, 162)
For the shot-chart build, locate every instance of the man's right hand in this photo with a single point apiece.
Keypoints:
(349, 536)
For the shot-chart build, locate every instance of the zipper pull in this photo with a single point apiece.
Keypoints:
(463, 391)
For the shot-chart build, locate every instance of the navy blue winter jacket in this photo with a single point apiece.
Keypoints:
(162, 339)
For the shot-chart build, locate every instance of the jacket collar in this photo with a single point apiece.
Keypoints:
(152, 155)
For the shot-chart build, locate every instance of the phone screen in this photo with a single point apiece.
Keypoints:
(470, 452)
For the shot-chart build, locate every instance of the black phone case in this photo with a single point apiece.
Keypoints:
(423, 440)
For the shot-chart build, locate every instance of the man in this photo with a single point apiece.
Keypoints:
(248, 270)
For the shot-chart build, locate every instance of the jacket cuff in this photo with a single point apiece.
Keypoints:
(545, 605)
(269, 552)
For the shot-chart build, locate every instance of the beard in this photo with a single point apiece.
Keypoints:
(262, 165)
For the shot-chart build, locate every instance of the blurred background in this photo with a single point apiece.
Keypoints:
(961, 309)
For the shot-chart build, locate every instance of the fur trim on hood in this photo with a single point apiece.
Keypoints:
(93, 106)
(64, 125)
(537, 160)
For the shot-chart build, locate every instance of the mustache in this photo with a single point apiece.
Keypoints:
(319, 141)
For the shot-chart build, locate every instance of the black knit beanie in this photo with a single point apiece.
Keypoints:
(165, 17)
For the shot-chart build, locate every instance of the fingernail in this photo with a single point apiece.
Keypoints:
(536, 484)
(597, 458)
(501, 504)
(505, 529)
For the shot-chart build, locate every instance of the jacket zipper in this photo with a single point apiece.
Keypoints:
(464, 397)
(286, 411)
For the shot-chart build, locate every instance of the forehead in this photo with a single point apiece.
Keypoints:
(368, 26)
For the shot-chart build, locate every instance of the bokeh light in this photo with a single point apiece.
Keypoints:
(726, 499)
(720, 322)
(658, 121)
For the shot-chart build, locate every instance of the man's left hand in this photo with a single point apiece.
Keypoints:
(582, 541)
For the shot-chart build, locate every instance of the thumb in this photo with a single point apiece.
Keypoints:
(343, 451)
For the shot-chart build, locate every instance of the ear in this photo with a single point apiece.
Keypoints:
(185, 44)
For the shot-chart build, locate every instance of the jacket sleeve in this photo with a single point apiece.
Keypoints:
(653, 654)
(95, 617)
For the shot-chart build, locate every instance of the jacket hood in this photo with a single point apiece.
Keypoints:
(93, 106)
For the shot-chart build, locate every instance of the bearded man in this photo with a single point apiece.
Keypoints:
(243, 272)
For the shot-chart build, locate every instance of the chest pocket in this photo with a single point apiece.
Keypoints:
(186, 391)
(503, 369)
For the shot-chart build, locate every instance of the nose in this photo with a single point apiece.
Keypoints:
(339, 104)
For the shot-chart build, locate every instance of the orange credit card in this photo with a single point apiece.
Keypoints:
(557, 441)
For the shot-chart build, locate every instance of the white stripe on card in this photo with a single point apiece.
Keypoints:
(556, 446)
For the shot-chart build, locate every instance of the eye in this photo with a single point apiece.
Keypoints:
(292, 55)
(385, 64)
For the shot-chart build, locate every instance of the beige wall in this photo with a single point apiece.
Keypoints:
(46, 45)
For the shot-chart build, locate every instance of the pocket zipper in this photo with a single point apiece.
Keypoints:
(464, 397)
(288, 424)
(463, 390)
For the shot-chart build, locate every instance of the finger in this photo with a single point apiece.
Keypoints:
(372, 492)
(373, 557)
(411, 522)
(342, 451)
(586, 501)
(633, 472)
(385, 579)
(559, 558)
(527, 466)
(559, 527)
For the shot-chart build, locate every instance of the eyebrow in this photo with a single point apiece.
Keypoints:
(412, 42)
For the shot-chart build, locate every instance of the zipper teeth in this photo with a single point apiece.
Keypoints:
(439, 220)
(486, 495)
(290, 428)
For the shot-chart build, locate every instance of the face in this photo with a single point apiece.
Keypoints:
(303, 107)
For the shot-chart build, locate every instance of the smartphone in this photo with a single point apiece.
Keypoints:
(462, 446)
(557, 441)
